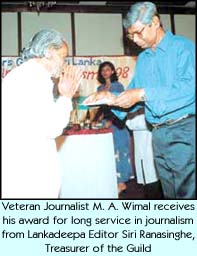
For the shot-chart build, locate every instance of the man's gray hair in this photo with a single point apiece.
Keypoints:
(41, 42)
(142, 11)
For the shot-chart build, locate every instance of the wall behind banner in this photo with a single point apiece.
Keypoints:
(87, 34)
(124, 65)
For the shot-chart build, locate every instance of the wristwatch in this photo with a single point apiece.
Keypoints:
(143, 96)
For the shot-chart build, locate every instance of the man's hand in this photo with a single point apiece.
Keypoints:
(69, 81)
(129, 98)
(99, 96)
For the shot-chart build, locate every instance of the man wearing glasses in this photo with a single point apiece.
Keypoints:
(164, 83)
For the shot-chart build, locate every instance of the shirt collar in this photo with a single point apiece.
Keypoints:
(163, 45)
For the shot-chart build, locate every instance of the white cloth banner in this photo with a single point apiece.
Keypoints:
(124, 66)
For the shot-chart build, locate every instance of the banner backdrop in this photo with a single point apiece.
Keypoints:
(124, 66)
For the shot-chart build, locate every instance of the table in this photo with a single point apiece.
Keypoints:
(87, 164)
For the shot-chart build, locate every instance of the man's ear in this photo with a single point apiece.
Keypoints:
(49, 52)
(156, 21)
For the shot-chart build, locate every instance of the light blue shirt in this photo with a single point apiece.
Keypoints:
(168, 78)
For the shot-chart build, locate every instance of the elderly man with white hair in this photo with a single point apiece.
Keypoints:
(32, 119)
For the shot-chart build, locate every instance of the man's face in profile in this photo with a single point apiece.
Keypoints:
(58, 59)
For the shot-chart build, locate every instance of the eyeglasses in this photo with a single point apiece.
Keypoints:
(137, 33)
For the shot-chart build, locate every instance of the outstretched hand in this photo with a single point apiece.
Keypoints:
(70, 80)
(128, 98)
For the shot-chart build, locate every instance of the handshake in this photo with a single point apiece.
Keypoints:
(125, 99)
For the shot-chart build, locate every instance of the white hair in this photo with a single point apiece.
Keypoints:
(41, 42)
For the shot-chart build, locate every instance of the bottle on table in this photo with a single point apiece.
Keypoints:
(88, 124)
(76, 124)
